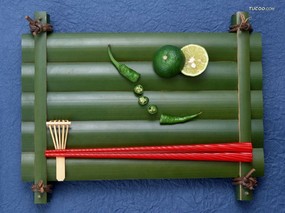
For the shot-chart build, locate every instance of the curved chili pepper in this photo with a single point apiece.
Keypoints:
(123, 69)
(169, 119)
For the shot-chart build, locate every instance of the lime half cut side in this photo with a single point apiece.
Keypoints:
(196, 60)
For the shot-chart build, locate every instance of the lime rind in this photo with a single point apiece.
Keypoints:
(196, 60)
(168, 61)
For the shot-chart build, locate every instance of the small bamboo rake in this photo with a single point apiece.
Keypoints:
(59, 132)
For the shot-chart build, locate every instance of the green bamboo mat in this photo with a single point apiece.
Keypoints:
(69, 76)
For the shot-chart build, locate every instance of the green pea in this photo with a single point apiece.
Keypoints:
(152, 109)
(138, 90)
(143, 100)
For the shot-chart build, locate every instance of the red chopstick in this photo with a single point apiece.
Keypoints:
(198, 148)
(228, 157)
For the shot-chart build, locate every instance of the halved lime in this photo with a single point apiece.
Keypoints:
(196, 60)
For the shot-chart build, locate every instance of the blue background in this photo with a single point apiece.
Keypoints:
(198, 195)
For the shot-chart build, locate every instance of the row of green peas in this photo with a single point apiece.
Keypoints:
(143, 100)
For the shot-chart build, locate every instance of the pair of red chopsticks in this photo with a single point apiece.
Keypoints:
(229, 152)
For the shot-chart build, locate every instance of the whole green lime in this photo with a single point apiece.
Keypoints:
(168, 61)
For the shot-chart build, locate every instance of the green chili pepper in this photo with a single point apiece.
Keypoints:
(152, 109)
(138, 90)
(169, 119)
(143, 100)
(123, 69)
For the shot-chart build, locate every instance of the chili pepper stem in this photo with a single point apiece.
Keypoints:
(116, 63)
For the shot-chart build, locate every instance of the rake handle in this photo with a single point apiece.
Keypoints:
(59, 131)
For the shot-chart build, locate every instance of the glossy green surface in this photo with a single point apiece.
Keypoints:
(84, 134)
(82, 47)
(80, 106)
(103, 76)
